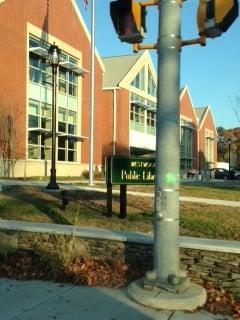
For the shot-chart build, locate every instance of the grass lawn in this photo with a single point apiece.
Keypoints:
(35, 205)
(216, 190)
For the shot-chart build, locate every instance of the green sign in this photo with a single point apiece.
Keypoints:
(130, 170)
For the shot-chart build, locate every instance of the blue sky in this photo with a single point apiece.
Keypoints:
(212, 73)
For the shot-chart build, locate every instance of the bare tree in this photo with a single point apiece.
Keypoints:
(7, 144)
(236, 106)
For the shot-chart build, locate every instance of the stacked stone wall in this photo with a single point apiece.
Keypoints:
(221, 268)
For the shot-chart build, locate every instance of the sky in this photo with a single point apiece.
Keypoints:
(212, 73)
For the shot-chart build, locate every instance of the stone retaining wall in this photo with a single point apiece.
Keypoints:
(201, 265)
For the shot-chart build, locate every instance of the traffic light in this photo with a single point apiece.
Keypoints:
(216, 16)
(128, 17)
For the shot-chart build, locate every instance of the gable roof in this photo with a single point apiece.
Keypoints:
(204, 112)
(116, 68)
(200, 113)
(185, 91)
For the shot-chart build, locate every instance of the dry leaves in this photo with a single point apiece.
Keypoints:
(94, 272)
(221, 302)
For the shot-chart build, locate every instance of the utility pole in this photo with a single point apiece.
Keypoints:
(166, 287)
(92, 98)
(166, 209)
(165, 279)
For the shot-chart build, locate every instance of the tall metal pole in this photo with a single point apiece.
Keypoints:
(229, 154)
(166, 287)
(53, 184)
(229, 158)
(92, 76)
(166, 215)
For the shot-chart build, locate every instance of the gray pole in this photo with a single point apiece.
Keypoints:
(166, 215)
(92, 101)
(165, 287)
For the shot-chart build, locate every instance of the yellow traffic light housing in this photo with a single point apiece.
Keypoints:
(128, 18)
(215, 16)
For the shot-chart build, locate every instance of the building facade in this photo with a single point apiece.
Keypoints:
(28, 28)
(125, 98)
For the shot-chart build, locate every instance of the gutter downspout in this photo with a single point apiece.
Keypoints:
(114, 120)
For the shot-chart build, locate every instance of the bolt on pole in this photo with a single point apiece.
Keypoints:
(166, 208)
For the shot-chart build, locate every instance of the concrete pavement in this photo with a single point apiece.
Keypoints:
(4, 184)
(42, 300)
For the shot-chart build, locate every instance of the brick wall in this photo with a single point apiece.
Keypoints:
(186, 110)
(59, 19)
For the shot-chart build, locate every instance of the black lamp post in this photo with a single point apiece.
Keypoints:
(229, 157)
(53, 58)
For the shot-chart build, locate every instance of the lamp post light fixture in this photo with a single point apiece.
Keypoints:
(54, 59)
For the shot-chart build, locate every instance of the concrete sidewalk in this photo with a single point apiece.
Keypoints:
(68, 186)
(42, 300)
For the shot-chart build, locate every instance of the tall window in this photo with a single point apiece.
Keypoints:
(68, 79)
(152, 89)
(186, 145)
(67, 127)
(39, 124)
(39, 71)
(137, 118)
(208, 146)
(151, 122)
(39, 108)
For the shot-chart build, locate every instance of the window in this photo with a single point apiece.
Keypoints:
(151, 85)
(67, 149)
(39, 145)
(143, 114)
(137, 116)
(151, 122)
(40, 113)
(209, 146)
(68, 79)
(62, 79)
(139, 80)
(62, 120)
(67, 146)
(39, 72)
(186, 145)
(46, 116)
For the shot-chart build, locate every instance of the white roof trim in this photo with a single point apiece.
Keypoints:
(143, 59)
(184, 91)
(111, 88)
(208, 110)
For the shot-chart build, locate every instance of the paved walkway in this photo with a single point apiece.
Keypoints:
(42, 300)
(69, 186)
(151, 195)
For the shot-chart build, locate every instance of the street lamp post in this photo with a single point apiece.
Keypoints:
(53, 58)
(229, 157)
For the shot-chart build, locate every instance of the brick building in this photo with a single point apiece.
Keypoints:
(125, 97)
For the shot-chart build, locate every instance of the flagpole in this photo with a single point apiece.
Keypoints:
(92, 76)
